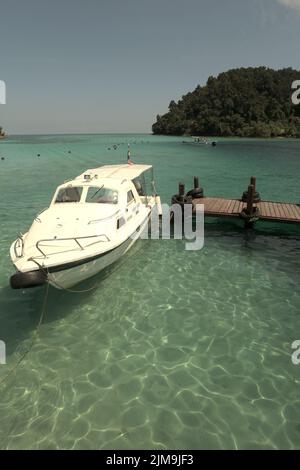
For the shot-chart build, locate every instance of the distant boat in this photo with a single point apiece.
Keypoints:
(200, 141)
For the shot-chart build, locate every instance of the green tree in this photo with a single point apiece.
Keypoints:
(254, 101)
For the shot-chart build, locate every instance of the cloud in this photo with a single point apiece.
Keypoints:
(295, 4)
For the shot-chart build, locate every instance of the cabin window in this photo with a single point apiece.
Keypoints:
(130, 196)
(120, 222)
(139, 184)
(69, 194)
(102, 195)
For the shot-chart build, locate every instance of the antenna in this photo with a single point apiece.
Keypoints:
(129, 161)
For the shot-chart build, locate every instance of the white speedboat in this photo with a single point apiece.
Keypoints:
(91, 222)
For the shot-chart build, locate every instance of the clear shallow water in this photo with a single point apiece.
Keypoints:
(174, 349)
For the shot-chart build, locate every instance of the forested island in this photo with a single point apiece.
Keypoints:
(2, 133)
(244, 102)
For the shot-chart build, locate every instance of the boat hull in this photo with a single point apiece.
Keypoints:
(64, 277)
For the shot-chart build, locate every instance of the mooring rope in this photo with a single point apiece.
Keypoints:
(73, 291)
(117, 264)
(56, 284)
(35, 336)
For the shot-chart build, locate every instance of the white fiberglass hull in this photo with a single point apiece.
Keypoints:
(65, 277)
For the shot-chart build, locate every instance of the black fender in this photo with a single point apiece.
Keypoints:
(256, 197)
(195, 193)
(28, 280)
(176, 199)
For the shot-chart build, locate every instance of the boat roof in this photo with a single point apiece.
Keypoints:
(127, 171)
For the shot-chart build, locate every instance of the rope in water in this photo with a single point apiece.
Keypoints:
(73, 290)
(44, 309)
(35, 336)
(56, 284)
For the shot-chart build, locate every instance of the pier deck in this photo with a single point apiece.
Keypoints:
(270, 211)
(251, 207)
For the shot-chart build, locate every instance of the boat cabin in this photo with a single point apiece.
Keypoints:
(109, 184)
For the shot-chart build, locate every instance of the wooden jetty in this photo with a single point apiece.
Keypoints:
(271, 211)
(250, 207)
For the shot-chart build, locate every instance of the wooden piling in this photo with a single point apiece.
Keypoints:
(253, 182)
(250, 199)
(181, 191)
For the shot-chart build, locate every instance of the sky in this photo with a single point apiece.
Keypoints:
(110, 66)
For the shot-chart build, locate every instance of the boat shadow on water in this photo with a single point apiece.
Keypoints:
(21, 310)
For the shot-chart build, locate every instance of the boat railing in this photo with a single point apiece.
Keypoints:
(37, 217)
(19, 244)
(76, 239)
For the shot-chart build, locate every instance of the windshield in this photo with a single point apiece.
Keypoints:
(69, 194)
(102, 195)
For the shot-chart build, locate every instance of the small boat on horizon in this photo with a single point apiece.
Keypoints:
(200, 141)
(91, 222)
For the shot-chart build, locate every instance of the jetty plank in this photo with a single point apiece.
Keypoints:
(276, 211)
(246, 208)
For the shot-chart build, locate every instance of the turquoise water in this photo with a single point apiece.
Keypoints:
(173, 349)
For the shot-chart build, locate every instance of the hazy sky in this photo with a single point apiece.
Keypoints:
(112, 65)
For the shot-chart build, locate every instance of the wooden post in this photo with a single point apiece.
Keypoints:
(253, 182)
(250, 199)
(181, 190)
(196, 182)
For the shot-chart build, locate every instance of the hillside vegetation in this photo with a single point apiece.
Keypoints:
(244, 102)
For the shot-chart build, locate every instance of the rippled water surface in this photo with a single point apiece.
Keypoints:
(172, 349)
